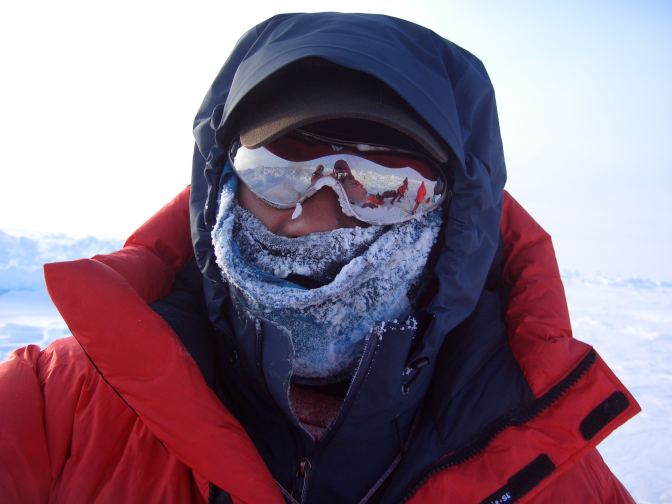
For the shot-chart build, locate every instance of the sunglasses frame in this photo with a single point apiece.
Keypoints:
(306, 136)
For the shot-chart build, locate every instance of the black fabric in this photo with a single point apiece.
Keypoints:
(472, 382)
(471, 378)
(450, 90)
(446, 85)
(607, 410)
(518, 416)
(184, 310)
(358, 450)
(218, 496)
(375, 419)
(476, 386)
(523, 481)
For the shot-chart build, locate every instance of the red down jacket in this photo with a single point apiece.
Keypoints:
(122, 413)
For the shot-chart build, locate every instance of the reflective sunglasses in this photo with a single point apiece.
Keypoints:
(376, 184)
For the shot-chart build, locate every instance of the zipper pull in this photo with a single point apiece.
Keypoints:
(302, 471)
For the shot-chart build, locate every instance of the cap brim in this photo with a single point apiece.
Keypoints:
(285, 106)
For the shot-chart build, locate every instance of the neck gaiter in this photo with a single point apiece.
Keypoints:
(360, 278)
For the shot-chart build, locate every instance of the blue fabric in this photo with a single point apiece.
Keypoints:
(451, 90)
(445, 84)
(327, 325)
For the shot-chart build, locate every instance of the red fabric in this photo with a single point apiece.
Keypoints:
(158, 434)
(588, 480)
(67, 437)
(152, 431)
(541, 340)
(537, 317)
(422, 191)
(314, 409)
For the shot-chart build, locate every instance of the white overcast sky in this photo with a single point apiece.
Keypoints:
(97, 101)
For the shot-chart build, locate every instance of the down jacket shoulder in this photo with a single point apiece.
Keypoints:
(122, 413)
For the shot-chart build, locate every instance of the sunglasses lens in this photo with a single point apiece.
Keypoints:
(280, 182)
(382, 186)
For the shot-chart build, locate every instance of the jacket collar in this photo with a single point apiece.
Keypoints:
(570, 401)
(104, 300)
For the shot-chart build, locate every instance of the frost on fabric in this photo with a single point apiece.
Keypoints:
(319, 256)
(370, 271)
(380, 328)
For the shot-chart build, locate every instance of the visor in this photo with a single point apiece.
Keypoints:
(376, 184)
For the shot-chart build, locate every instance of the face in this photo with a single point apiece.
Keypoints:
(321, 212)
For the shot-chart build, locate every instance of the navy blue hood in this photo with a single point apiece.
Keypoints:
(424, 378)
(445, 84)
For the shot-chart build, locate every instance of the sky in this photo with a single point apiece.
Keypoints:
(97, 102)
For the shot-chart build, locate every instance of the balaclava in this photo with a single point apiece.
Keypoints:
(360, 279)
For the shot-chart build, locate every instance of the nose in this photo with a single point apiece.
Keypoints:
(321, 212)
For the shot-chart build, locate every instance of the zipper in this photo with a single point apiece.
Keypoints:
(258, 348)
(301, 480)
(305, 465)
(300, 484)
(362, 370)
(477, 447)
(258, 360)
(393, 466)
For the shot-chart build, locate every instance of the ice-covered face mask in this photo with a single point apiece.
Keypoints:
(364, 275)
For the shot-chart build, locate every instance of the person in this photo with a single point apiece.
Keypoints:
(236, 350)
(317, 174)
(401, 191)
(355, 191)
(419, 197)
